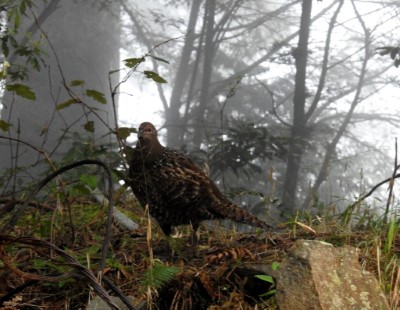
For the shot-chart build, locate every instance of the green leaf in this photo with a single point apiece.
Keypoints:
(79, 189)
(65, 104)
(160, 59)
(132, 62)
(17, 19)
(13, 42)
(275, 265)
(265, 278)
(4, 125)
(125, 132)
(96, 95)
(94, 249)
(154, 76)
(77, 83)
(22, 91)
(129, 153)
(269, 293)
(158, 275)
(89, 126)
(393, 53)
(89, 180)
(39, 263)
(390, 235)
(384, 50)
(22, 7)
(4, 46)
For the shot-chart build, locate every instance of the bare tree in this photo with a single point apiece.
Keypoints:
(299, 127)
(288, 74)
(331, 147)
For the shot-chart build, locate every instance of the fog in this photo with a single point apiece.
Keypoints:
(233, 99)
(255, 43)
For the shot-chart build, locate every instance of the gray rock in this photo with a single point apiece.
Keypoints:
(316, 275)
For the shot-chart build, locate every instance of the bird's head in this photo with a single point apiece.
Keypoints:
(147, 132)
(148, 141)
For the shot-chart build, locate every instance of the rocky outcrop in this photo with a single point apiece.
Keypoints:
(316, 275)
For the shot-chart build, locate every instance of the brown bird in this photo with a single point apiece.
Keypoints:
(176, 190)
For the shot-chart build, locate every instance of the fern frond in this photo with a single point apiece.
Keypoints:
(158, 275)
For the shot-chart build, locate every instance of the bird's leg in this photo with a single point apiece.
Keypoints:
(194, 238)
(169, 248)
(194, 241)
(167, 229)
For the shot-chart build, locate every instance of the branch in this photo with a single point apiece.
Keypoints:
(40, 151)
(50, 8)
(14, 219)
(70, 92)
(224, 83)
(246, 28)
(150, 47)
(81, 271)
(274, 111)
(324, 69)
(389, 200)
(332, 145)
(10, 203)
(372, 190)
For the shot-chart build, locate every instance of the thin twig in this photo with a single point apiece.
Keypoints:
(14, 219)
(391, 184)
(81, 271)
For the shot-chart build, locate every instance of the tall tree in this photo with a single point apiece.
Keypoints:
(264, 85)
(208, 56)
(299, 126)
(80, 45)
(332, 145)
(173, 120)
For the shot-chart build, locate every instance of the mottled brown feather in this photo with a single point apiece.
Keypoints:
(175, 189)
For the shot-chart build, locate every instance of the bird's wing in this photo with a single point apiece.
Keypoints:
(182, 181)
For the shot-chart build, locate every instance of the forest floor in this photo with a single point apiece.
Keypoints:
(164, 273)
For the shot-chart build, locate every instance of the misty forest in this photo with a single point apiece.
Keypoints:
(290, 107)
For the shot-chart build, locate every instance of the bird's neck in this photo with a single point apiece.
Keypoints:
(151, 150)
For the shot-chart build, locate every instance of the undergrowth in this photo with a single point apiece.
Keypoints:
(54, 257)
(139, 265)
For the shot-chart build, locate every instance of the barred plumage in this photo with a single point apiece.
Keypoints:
(175, 189)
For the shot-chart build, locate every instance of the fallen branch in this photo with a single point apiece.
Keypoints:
(35, 244)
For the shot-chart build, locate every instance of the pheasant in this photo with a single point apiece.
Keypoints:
(177, 191)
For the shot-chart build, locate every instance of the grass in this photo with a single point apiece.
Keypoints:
(140, 267)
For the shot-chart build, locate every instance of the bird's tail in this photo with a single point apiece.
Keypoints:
(234, 213)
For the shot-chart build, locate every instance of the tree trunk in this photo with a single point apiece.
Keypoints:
(85, 37)
(330, 149)
(207, 71)
(299, 126)
(172, 115)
